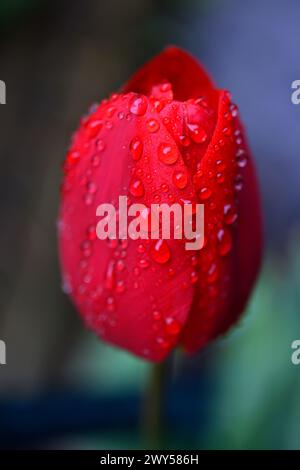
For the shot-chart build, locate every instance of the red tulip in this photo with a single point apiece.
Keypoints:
(169, 136)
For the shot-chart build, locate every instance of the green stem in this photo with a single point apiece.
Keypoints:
(153, 406)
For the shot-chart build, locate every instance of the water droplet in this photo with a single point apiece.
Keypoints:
(184, 140)
(91, 187)
(136, 188)
(238, 183)
(160, 251)
(120, 287)
(226, 131)
(114, 97)
(194, 277)
(171, 272)
(143, 263)
(110, 275)
(110, 111)
(180, 179)
(138, 105)
(88, 199)
(194, 260)
(110, 303)
(220, 165)
(100, 145)
(87, 278)
(91, 232)
(165, 87)
(212, 273)
(86, 248)
(234, 110)
(83, 264)
(136, 148)
(172, 326)
(241, 158)
(158, 105)
(156, 314)
(73, 157)
(162, 342)
(93, 127)
(141, 248)
(220, 178)
(95, 160)
(167, 153)
(120, 265)
(205, 193)
(197, 133)
(136, 271)
(152, 125)
(224, 241)
(230, 215)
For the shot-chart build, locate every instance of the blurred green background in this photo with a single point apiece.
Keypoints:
(62, 388)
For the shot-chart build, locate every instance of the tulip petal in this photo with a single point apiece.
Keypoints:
(173, 65)
(229, 262)
(133, 293)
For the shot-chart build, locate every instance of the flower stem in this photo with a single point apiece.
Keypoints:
(153, 407)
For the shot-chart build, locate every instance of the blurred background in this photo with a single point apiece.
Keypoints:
(61, 388)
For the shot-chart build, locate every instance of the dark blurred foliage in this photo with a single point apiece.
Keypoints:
(62, 387)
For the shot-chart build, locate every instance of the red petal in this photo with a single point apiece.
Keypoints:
(135, 294)
(186, 75)
(229, 262)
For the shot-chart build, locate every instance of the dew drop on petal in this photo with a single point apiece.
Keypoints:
(110, 275)
(160, 251)
(152, 125)
(93, 127)
(120, 287)
(120, 265)
(230, 215)
(241, 158)
(143, 263)
(184, 140)
(197, 133)
(180, 179)
(136, 148)
(136, 188)
(91, 187)
(95, 160)
(86, 248)
(156, 314)
(167, 153)
(88, 199)
(162, 342)
(212, 273)
(100, 145)
(224, 241)
(194, 277)
(172, 327)
(141, 248)
(138, 105)
(205, 193)
(91, 232)
(238, 182)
